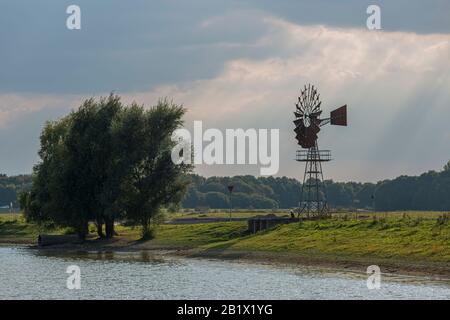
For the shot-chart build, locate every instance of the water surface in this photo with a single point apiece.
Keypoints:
(35, 274)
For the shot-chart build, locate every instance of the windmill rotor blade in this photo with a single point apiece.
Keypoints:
(300, 103)
(300, 129)
(316, 101)
(307, 136)
(298, 122)
(306, 141)
(314, 127)
(305, 93)
(338, 117)
(308, 113)
(309, 96)
(317, 107)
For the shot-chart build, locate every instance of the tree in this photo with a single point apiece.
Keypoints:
(447, 166)
(105, 161)
(52, 196)
(154, 181)
(68, 183)
(217, 200)
(90, 156)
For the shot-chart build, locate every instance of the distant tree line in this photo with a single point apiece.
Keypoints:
(106, 161)
(429, 191)
(10, 187)
(270, 193)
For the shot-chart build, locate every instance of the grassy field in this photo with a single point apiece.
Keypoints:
(226, 214)
(252, 213)
(409, 235)
(416, 238)
(14, 229)
(410, 239)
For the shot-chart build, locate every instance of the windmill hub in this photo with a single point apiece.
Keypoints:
(307, 126)
(306, 120)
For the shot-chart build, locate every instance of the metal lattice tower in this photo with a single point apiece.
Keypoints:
(313, 200)
(313, 194)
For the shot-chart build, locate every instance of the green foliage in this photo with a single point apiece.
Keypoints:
(270, 193)
(249, 192)
(447, 166)
(429, 191)
(154, 180)
(106, 161)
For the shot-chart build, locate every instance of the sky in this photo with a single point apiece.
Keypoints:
(239, 64)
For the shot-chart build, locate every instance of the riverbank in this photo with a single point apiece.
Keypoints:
(418, 245)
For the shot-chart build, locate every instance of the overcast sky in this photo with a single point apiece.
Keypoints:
(239, 64)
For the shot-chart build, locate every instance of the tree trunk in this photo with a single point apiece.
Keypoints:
(109, 227)
(83, 230)
(100, 228)
(146, 231)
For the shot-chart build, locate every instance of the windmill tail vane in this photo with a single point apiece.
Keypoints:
(308, 123)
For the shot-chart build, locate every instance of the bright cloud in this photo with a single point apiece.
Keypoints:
(395, 83)
(13, 106)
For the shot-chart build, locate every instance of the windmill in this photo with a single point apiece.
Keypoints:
(307, 125)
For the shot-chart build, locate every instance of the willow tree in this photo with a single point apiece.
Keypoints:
(106, 161)
(48, 202)
(90, 155)
(69, 180)
(154, 180)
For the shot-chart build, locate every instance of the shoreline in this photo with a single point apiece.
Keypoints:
(431, 270)
(399, 245)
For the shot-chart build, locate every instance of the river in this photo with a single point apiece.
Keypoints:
(35, 274)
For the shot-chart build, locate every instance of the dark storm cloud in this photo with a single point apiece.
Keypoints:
(121, 45)
(396, 15)
(135, 45)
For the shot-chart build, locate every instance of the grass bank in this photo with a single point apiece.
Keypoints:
(15, 230)
(406, 242)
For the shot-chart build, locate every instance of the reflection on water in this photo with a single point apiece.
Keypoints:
(36, 274)
(126, 257)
